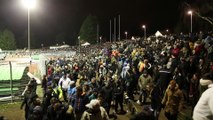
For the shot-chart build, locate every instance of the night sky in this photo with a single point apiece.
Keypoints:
(52, 17)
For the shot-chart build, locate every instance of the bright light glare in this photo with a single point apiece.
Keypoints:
(190, 12)
(29, 3)
(143, 26)
(126, 33)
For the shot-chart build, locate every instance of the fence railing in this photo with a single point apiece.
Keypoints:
(11, 89)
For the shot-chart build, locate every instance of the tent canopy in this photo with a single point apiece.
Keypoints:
(158, 34)
(64, 46)
(85, 44)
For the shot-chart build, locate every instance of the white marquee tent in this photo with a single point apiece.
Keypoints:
(158, 34)
(85, 44)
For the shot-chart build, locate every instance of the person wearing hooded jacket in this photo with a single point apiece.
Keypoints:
(204, 108)
(172, 101)
(95, 111)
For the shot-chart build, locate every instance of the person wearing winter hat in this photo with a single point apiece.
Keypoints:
(95, 111)
(205, 81)
(204, 110)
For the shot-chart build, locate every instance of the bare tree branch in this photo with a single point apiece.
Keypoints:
(208, 19)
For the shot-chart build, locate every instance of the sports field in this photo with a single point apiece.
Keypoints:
(17, 72)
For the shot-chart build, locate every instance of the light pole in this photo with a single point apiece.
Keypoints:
(29, 4)
(100, 40)
(144, 27)
(126, 33)
(79, 47)
(190, 13)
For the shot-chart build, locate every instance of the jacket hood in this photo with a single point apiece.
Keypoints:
(205, 82)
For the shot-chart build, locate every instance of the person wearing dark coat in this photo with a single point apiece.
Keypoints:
(129, 84)
(107, 95)
(145, 114)
(33, 84)
(29, 95)
(36, 102)
(37, 113)
(44, 84)
(94, 84)
(51, 113)
(178, 77)
(78, 102)
(175, 63)
(163, 78)
(155, 100)
(47, 98)
(118, 96)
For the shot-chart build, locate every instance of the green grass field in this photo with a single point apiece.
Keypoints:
(17, 72)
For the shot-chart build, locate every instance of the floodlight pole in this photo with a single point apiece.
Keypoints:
(28, 28)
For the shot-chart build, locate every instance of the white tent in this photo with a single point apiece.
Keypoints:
(158, 34)
(64, 46)
(85, 44)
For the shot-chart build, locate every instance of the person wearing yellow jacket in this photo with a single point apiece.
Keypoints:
(58, 90)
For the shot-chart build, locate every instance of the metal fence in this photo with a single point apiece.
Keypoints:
(11, 86)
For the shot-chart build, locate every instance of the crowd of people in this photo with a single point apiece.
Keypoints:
(168, 72)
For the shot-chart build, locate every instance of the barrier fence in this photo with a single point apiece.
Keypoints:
(13, 79)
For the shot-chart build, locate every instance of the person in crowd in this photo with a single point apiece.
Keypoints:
(203, 109)
(94, 84)
(51, 112)
(44, 84)
(87, 89)
(64, 82)
(29, 95)
(36, 103)
(47, 98)
(145, 114)
(205, 81)
(164, 58)
(37, 113)
(203, 66)
(49, 70)
(175, 50)
(172, 101)
(95, 111)
(178, 77)
(78, 102)
(135, 78)
(118, 96)
(163, 77)
(56, 77)
(101, 68)
(94, 94)
(155, 100)
(58, 92)
(144, 81)
(144, 65)
(33, 84)
(103, 103)
(107, 92)
(129, 84)
(71, 90)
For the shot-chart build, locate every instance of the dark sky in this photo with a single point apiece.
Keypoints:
(52, 17)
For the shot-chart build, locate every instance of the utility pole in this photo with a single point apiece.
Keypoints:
(119, 28)
(115, 29)
(110, 31)
(97, 34)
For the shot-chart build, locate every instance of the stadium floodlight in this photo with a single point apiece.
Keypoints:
(29, 4)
